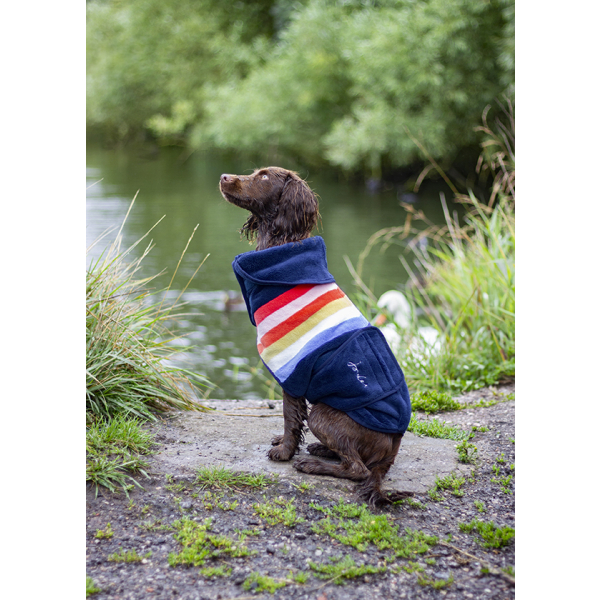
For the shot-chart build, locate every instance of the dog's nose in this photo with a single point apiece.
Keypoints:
(225, 177)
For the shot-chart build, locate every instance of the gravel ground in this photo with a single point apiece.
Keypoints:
(457, 566)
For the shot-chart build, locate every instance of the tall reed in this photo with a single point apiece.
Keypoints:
(462, 280)
(129, 349)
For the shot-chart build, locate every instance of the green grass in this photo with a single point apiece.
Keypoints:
(106, 533)
(355, 525)
(129, 343)
(278, 511)
(199, 545)
(434, 428)
(491, 535)
(221, 478)
(452, 482)
(467, 452)
(128, 556)
(114, 452)
(431, 401)
(90, 587)
(262, 583)
(343, 569)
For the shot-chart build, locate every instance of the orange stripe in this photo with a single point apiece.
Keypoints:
(270, 307)
(299, 317)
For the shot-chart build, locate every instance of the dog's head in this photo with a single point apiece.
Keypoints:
(282, 207)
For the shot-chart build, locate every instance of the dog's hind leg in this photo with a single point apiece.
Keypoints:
(317, 449)
(294, 415)
(333, 429)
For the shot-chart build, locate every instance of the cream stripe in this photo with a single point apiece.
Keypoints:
(293, 307)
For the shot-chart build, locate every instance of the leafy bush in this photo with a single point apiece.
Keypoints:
(349, 83)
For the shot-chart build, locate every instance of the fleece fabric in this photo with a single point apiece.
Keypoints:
(315, 342)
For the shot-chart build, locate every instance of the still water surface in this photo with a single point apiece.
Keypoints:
(187, 193)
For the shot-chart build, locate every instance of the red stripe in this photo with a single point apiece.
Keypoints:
(270, 307)
(299, 317)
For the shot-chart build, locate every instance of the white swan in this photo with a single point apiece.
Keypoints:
(427, 340)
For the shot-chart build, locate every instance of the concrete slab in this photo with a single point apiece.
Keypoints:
(238, 435)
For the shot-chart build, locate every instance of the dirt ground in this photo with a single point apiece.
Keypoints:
(236, 436)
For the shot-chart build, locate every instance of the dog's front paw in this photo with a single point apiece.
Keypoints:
(280, 453)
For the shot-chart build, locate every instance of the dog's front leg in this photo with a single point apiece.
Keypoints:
(294, 415)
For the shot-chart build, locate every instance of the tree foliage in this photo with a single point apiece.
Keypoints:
(345, 82)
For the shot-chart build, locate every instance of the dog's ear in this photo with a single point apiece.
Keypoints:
(297, 211)
(250, 228)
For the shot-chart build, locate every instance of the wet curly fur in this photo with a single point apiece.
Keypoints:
(284, 209)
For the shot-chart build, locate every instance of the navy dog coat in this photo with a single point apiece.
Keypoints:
(315, 342)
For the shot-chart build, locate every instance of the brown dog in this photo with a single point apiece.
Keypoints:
(284, 209)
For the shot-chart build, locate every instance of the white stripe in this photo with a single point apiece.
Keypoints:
(286, 355)
(293, 307)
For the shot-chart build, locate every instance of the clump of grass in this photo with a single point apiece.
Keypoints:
(341, 571)
(106, 533)
(492, 536)
(467, 452)
(215, 572)
(128, 556)
(262, 583)
(355, 525)
(114, 451)
(220, 477)
(278, 511)
(128, 342)
(431, 401)
(436, 429)
(199, 544)
(452, 482)
(91, 587)
(436, 584)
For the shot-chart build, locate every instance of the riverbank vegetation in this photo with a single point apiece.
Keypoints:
(130, 376)
(342, 84)
(462, 280)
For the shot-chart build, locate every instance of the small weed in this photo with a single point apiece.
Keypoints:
(215, 572)
(128, 556)
(343, 570)
(105, 533)
(436, 429)
(412, 503)
(430, 561)
(504, 482)
(279, 511)
(434, 495)
(356, 526)
(90, 587)
(510, 570)
(481, 428)
(304, 486)
(223, 478)
(496, 469)
(492, 535)
(480, 506)
(467, 452)
(452, 482)
(501, 459)
(436, 584)
(299, 577)
(431, 401)
(261, 583)
(211, 501)
(413, 567)
(199, 545)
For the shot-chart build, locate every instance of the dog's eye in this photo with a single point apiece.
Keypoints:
(265, 177)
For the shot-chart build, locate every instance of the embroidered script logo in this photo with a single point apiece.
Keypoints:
(360, 377)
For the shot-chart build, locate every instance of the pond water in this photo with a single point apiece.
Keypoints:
(221, 343)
